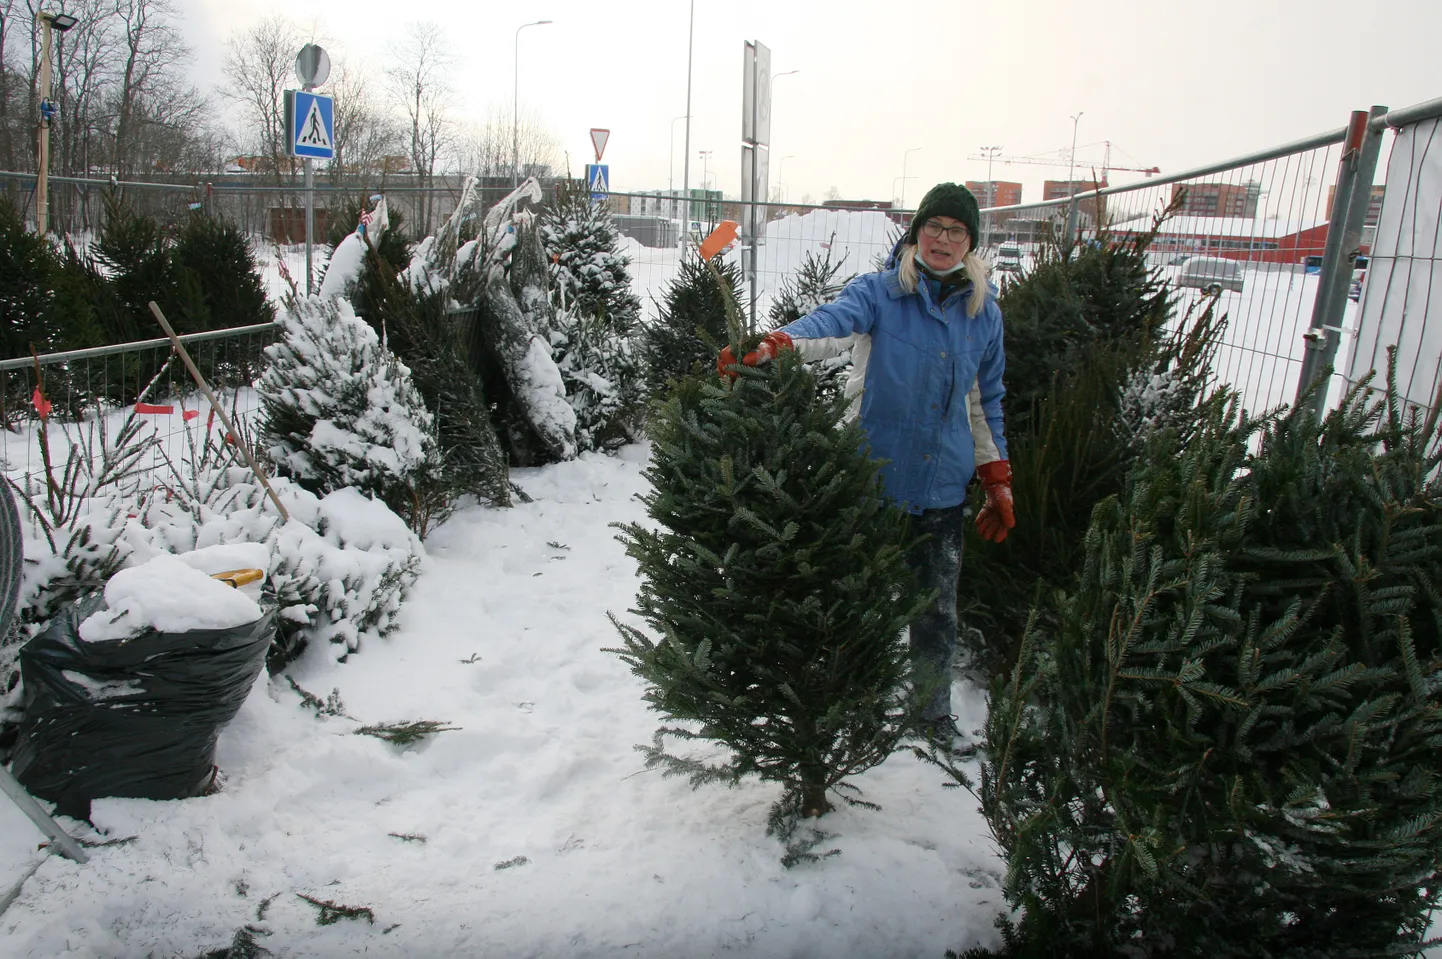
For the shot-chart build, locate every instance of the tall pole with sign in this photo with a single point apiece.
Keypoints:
(310, 132)
(755, 140)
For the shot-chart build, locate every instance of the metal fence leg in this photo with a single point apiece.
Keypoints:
(1344, 236)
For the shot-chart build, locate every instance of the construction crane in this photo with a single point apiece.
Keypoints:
(1050, 161)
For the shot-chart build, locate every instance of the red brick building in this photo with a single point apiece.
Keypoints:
(1217, 199)
(1095, 208)
(995, 192)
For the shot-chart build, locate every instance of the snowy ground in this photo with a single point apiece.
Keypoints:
(502, 637)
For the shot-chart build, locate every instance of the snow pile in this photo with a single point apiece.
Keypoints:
(168, 596)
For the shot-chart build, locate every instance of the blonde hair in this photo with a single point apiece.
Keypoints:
(974, 266)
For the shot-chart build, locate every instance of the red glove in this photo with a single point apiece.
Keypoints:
(767, 349)
(997, 516)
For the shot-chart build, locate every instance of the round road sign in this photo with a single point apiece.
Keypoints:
(312, 65)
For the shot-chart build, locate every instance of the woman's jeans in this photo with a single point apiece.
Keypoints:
(937, 563)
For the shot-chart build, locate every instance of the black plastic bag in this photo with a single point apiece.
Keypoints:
(137, 717)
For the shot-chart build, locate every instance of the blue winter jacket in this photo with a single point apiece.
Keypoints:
(928, 378)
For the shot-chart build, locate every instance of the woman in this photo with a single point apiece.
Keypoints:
(926, 342)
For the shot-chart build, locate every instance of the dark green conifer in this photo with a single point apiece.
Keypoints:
(690, 328)
(1225, 741)
(775, 588)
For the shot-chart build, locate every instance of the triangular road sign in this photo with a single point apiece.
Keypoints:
(313, 132)
(598, 140)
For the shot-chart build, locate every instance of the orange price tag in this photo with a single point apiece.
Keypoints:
(719, 239)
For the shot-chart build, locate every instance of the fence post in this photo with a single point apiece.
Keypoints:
(1355, 171)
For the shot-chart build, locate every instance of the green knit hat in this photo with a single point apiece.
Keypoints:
(948, 199)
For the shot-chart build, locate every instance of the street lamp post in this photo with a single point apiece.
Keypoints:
(991, 154)
(1071, 181)
(686, 147)
(516, 105)
(48, 21)
(904, 177)
(705, 156)
(781, 165)
(671, 157)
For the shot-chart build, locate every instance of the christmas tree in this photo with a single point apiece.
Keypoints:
(582, 244)
(817, 281)
(691, 326)
(775, 586)
(1227, 743)
(340, 410)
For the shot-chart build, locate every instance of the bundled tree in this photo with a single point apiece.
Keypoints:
(817, 281)
(339, 410)
(775, 586)
(1224, 742)
(690, 327)
(516, 322)
(591, 275)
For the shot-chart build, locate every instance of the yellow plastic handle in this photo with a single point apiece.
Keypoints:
(239, 577)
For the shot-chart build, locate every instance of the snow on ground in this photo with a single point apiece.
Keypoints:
(543, 835)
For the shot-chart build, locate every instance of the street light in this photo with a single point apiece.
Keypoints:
(991, 154)
(904, 177)
(516, 105)
(1071, 180)
(781, 165)
(671, 157)
(49, 21)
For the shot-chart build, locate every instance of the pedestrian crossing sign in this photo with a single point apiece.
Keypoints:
(310, 124)
(598, 178)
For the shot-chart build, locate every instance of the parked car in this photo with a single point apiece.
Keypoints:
(1359, 273)
(1212, 274)
(1312, 265)
(1008, 258)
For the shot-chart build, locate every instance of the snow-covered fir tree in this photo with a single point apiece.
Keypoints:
(583, 245)
(602, 373)
(340, 410)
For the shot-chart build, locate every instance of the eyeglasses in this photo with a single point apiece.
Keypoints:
(953, 233)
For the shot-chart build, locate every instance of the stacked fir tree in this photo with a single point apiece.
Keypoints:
(1228, 742)
(775, 588)
(596, 319)
(339, 409)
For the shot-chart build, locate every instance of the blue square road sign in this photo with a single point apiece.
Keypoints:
(311, 127)
(598, 179)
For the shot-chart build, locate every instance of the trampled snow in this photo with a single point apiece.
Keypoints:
(531, 830)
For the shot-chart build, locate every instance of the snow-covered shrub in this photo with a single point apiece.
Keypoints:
(340, 410)
(339, 568)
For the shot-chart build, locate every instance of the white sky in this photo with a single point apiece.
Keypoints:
(1172, 84)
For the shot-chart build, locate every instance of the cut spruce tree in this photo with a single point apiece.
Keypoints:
(691, 323)
(1226, 739)
(775, 588)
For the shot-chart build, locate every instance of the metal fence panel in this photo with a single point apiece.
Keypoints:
(1402, 299)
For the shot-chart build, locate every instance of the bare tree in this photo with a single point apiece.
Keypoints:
(485, 148)
(258, 66)
(154, 56)
(420, 80)
(365, 133)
